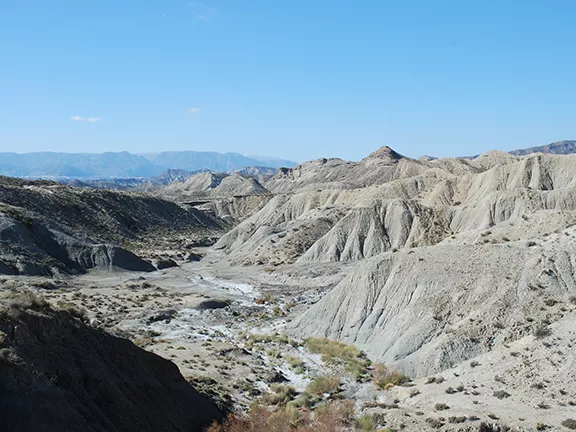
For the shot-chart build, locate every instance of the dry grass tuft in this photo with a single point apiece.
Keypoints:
(335, 352)
(385, 377)
(330, 417)
(323, 385)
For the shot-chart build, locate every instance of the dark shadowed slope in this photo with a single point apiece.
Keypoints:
(59, 375)
(46, 228)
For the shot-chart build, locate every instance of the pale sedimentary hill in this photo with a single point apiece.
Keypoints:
(450, 197)
(216, 185)
(428, 309)
(382, 166)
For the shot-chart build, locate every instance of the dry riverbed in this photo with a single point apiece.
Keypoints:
(224, 329)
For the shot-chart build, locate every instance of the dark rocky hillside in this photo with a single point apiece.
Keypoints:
(58, 374)
(46, 228)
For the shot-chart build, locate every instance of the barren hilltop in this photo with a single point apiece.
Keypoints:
(386, 294)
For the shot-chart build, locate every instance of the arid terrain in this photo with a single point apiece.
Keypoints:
(381, 295)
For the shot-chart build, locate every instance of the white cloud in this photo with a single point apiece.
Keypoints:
(85, 119)
(194, 111)
(202, 12)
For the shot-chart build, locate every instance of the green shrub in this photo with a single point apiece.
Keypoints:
(294, 361)
(441, 407)
(280, 394)
(324, 384)
(27, 299)
(384, 377)
(365, 423)
(335, 352)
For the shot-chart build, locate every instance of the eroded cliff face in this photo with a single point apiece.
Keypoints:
(58, 374)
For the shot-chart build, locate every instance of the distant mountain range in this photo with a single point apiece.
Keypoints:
(125, 164)
(560, 147)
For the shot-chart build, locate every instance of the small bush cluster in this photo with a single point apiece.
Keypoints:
(76, 311)
(294, 362)
(334, 352)
(280, 395)
(542, 331)
(28, 300)
(330, 417)
(385, 377)
(324, 384)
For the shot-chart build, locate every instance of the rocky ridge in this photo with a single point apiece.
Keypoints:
(47, 228)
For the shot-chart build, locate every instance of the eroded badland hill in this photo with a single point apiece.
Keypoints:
(386, 294)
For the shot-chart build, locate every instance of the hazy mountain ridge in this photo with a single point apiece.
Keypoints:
(559, 147)
(123, 164)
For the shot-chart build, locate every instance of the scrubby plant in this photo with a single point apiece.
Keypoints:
(569, 423)
(330, 417)
(501, 394)
(324, 384)
(9, 355)
(384, 376)
(266, 298)
(542, 331)
(294, 362)
(441, 407)
(280, 394)
(335, 352)
(365, 423)
(457, 419)
(305, 400)
(27, 299)
(74, 310)
(273, 352)
(434, 423)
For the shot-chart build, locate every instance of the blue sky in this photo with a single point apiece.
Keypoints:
(294, 79)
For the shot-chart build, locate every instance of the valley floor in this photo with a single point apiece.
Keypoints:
(226, 329)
